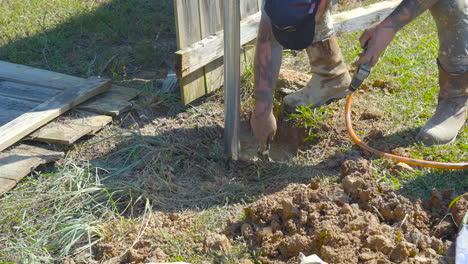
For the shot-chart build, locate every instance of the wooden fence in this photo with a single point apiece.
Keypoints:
(200, 39)
(197, 20)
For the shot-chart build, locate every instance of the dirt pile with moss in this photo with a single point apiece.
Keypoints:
(357, 221)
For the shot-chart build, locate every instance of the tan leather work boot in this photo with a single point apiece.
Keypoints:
(330, 77)
(451, 112)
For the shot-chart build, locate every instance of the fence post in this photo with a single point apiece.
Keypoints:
(231, 78)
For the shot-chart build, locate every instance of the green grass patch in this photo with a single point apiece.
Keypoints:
(409, 64)
(82, 37)
(311, 119)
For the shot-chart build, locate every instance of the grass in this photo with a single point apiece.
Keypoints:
(404, 86)
(114, 38)
(311, 119)
(66, 210)
(409, 64)
(50, 216)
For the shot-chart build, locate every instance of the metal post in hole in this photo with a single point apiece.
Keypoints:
(231, 78)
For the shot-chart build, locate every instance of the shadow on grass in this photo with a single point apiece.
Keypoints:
(184, 168)
(420, 187)
(400, 139)
(121, 39)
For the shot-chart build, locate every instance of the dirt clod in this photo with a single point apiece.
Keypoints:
(357, 221)
(214, 241)
(459, 208)
(290, 81)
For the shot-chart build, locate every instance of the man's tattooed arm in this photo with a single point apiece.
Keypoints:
(408, 10)
(267, 64)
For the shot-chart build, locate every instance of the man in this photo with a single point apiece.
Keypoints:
(451, 17)
(295, 24)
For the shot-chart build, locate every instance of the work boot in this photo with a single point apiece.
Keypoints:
(450, 115)
(330, 77)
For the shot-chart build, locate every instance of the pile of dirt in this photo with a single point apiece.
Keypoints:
(357, 221)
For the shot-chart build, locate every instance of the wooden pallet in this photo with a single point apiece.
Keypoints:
(31, 104)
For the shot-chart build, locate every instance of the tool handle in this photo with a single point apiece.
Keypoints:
(362, 72)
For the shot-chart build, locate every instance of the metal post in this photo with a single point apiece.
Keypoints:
(231, 78)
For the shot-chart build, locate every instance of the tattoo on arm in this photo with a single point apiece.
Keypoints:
(264, 99)
(408, 10)
(267, 64)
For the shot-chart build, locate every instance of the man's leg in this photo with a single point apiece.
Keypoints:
(330, 76)
(451, 17)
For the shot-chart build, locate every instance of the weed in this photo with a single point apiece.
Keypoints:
(311, 119)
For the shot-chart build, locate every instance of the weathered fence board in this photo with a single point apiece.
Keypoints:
(187, 14)
(212, 21)
(11, 108)
(248, 7)
(18, 162)
(207, 18)
(205, 51)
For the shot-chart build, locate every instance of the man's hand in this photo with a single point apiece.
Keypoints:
(263, 127)
(377, 37)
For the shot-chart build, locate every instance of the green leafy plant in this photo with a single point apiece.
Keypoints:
(310, 118)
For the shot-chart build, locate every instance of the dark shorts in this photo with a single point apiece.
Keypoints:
(323, 29)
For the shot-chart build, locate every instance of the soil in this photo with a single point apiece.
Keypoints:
(356, 221)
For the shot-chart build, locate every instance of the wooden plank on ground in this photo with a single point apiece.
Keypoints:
(65, 130)
(8, 115)
(38, 77)
(28, 92)
(7, 103)
(15, 130)
(187, 16)
(11, 108)
(211, 19)
(6, 185)
(21, 160)
(113, 102)
(201, 53)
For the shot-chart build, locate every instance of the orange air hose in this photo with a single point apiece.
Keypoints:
(410, 161)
